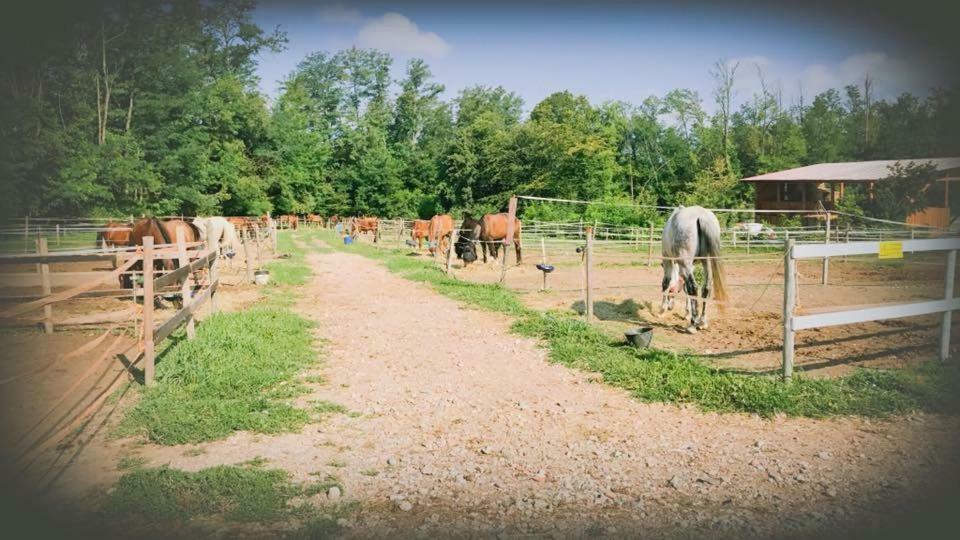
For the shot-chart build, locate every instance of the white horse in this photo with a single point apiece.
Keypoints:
(692, 233)
(219, 232)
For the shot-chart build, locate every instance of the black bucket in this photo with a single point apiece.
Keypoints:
(639, 337)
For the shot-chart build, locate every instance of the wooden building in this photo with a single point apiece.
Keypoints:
(806, 188)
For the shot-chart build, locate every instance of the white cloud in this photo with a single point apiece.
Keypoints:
(891, 76)
(395, 33)
(340, 14)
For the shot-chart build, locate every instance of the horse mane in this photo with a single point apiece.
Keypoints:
(158, 224)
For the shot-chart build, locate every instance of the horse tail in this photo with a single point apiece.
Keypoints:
(709, 233)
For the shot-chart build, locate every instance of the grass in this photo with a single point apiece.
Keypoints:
(233, 376)
(241, 493)
(328, 407)
(660, 376)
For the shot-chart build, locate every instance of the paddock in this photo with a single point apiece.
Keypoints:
(747, 334)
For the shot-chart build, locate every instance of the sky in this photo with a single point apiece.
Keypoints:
(609, 52)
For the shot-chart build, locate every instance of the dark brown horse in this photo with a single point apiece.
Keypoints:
(163, 232)
(493, 227)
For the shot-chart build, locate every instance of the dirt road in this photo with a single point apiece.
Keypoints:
(466, 429)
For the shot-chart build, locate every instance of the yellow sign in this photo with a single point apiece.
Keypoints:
(891, 250)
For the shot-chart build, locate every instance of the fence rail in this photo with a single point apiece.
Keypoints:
(793, 322)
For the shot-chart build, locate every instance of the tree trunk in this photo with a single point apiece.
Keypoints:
(129, 114)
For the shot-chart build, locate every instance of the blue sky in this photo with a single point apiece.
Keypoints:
(610, 53)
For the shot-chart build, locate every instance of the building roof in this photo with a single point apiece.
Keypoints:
(850, 171)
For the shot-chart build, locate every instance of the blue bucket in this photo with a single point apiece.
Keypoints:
(348, 240)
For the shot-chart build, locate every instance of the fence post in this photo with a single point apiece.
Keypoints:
(273, 236)
(247, 258)
(749, 236)
(26, 232)
(45, 287)
(215, 281)
(588, 286)
(636, 236)
(148, 352)
(650, 246)
(400, 233)
(185, 288)
(450, 250)
(508, 239)
(789, 305)
(256, 239)
(947, 315)
(825, 275)
(58, 234)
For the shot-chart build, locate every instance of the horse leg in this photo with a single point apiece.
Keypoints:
(707, 290)
(690, 287)
(516, 245)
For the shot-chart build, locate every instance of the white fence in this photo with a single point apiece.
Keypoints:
(894, 249)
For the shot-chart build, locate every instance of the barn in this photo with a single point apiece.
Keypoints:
(807, 188)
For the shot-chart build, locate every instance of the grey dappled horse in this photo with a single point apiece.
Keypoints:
(692, 233)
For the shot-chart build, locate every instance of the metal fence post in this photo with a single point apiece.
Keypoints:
(588, 284)
(789, 305)
(947, 295)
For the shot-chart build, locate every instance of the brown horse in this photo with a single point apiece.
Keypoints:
(163, 232)
(420, 230)
(114, 234)
(315, 218)
(493, 227)
(243, 225)
(439, 234)
(361, 225)
(288, 221)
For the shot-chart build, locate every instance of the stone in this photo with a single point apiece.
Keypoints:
(334, 493)
(405, 506)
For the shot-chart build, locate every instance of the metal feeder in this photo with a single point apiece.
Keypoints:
(639, 337)
(546, 269)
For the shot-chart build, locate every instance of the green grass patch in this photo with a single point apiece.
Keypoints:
(236, 493)
(235, 375)
(660, 376)
(328, 407)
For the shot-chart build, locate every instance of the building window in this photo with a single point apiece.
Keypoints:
(791, 192)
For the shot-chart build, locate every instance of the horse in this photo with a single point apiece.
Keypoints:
(692, 233)
(441, 226)
(420, 230)
(464, 247)
(242, 225)
(220, 233)
(289, 221)
(361, 225)
(163, 232)
(493, 227)
(114, 234)
(315, 219)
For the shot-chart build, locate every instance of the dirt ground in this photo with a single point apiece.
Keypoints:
(748, 333)
(467, 430)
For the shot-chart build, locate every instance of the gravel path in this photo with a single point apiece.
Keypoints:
(466, 429)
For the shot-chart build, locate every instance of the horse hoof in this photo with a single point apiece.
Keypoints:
(691, 329)
(703, 326)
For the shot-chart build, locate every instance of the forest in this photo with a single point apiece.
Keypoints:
(147, 108)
